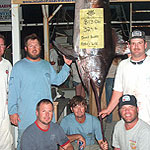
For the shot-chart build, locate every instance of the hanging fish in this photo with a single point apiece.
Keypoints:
(94, 43)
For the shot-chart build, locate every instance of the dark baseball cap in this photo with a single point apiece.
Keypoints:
(127, 100)
(137, 34)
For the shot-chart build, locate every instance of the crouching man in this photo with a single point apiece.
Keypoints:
(130, 132)
(43, 134)
(81, 126)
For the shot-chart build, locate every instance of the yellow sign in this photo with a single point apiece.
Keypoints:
(91, 28)
(41, 1)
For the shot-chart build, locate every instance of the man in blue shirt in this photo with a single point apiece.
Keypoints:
(81, 126)
(30, 81)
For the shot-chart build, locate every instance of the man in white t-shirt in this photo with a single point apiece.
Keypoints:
(5, 69)
(130, 132)
(133, 77)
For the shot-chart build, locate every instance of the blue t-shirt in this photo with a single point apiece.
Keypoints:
(90, 129)
(29, 83)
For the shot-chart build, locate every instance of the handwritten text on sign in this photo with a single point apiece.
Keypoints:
(91, 28)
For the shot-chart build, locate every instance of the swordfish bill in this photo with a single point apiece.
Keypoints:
(94, 62)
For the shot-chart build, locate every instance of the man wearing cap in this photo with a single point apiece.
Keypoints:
(133, 77)
(130, 132)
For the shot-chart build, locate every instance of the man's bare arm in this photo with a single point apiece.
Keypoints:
(112, 104)
(67, 147)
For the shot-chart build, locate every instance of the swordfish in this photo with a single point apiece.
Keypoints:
(94, 44)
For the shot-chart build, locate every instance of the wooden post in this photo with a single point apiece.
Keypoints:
(55, 110)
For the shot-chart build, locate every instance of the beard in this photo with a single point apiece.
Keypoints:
(132, 120)
(34, 57)
(126, 121)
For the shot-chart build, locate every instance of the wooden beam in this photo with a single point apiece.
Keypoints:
(129, 1)
(41, 1)
(64, 1)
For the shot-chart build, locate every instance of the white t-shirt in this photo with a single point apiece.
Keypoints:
(5, 69)
(136, 138)
(135, 80)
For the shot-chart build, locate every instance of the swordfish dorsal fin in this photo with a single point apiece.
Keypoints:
(69, 53)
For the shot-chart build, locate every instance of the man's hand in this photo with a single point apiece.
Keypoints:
(112, 104)
(82, 139)
(104, 113)
(67, 61)
(14, 119)
(77, 137)
(103, 145)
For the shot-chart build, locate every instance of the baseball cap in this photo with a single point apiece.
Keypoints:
(127, 100)
(137, 34)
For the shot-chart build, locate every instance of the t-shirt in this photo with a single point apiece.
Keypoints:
(6, 139)
(136, 138)
(34, 138)
(5, 69)
(90, 129)
(29, 83)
